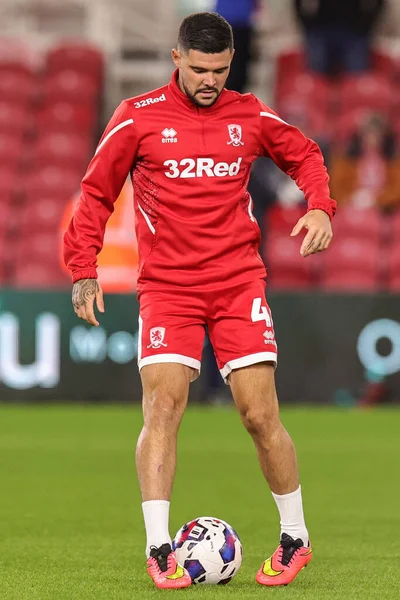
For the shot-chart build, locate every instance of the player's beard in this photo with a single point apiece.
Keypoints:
(196, 101)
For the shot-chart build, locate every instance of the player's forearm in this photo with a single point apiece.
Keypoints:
(84, 237)
(312, 178)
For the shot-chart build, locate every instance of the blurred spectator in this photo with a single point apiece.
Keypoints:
(367, 173)
(240, 16)
(338, 33)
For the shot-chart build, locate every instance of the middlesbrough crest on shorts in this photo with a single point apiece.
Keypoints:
(157, 335)
(235, 133)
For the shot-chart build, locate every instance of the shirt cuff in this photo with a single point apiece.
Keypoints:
(84, 274)
(329, 207)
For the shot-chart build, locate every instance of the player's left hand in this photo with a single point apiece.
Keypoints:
(319, 234)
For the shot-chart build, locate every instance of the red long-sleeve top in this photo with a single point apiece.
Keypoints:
(190, 168)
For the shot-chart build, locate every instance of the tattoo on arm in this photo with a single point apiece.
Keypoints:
(83, 290)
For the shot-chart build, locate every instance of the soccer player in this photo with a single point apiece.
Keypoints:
(188, 147)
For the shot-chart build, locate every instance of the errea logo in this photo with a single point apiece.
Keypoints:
(148, 101)
(169, 136)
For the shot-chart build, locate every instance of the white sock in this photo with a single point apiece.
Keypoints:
(290, 508)
(156, 518)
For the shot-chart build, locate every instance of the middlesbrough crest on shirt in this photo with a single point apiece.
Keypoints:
(157, 335)
(235, 133)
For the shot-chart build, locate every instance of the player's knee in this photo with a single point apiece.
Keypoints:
(163, 409)
(259, 421)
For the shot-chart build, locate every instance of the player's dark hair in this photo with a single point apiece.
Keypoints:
(207, 32)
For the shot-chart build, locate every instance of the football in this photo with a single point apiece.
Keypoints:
(209, 549)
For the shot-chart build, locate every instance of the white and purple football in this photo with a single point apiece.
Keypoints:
(209, 549)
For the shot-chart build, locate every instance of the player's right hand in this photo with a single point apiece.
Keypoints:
(84, 293)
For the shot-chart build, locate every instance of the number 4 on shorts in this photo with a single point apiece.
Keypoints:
(260, 313)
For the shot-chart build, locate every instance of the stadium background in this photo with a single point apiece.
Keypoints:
(63, 70)
(70, 522)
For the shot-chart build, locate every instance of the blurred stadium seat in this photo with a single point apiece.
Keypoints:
(10, 149)
(394, 266)
(79, 56)
(72, 86)
(372, 90)
(280, 219)
(349, 122)
(39, 246)
(12, 118)
(34, 275)
(351, 264)
(350, 281)
(46, 140)
(303, 90)
(286, 268)
(289, 63)
(42, 213)
(17, 86)
(59, 181)
(62, 148)
(383, 63)
(8, 181)
(365, 224)
(62, 116)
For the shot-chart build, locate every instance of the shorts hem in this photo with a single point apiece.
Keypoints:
(171, 358)
(247, 361)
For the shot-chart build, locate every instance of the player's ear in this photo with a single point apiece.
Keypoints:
(176, 57)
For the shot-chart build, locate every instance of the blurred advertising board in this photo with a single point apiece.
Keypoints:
(330, 347)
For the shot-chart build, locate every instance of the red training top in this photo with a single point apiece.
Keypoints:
(190, 168)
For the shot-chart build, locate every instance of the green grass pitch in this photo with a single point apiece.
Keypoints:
(70, 513)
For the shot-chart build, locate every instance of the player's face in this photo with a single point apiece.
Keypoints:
(202, 76)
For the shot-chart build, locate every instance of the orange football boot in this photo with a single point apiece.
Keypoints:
(285, 563)
(165, 570)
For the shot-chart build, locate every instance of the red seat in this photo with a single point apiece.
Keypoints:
(12, 118)
(63, 148)
(66, 117)
(395, 219)
(53, 180)
(37, 261)
(5, 216)
(394, 265)
(4, 267)
(382, 62)
(16, 86)
(10, 150)
(78, 56)
(17, 55)
(286, 268)
(371, 90)
(43, 213)
(36, 275)
(303, 90)
(351, 264)
(72, 86)
(8, 180)
(38, 246)
(350, 281)
(289, 63)
(349, 122)
(289, 280)
(358, 223)
(279, 219)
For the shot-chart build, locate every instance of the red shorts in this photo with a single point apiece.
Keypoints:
(172, 327)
